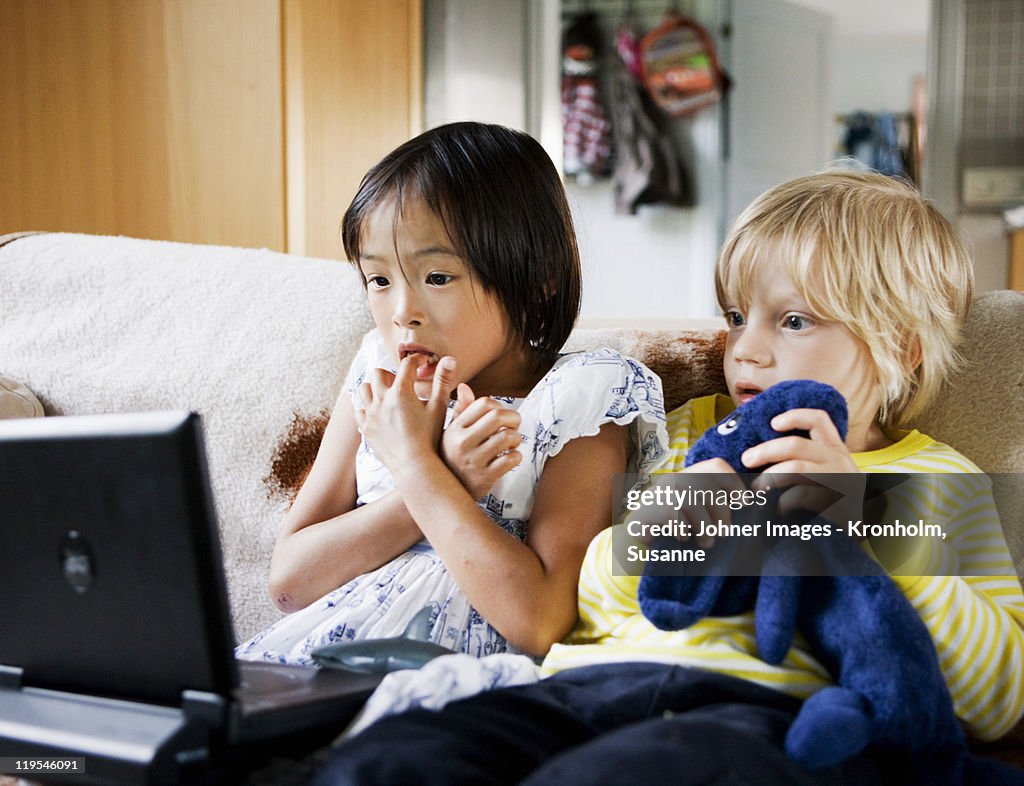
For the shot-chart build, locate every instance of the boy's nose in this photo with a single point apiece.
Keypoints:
(750, 347)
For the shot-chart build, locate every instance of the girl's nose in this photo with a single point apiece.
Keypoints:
(407, 309)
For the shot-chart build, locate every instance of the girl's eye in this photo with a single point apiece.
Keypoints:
(796, 322)
(377, 282)
(439, 279)
(734, 318)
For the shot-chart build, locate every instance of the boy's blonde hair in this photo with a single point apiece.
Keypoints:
(867, 251)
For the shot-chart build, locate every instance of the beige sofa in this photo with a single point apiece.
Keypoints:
(258, 342)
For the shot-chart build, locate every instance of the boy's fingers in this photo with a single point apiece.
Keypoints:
(775, 451)
(814, 421)
(715, 466)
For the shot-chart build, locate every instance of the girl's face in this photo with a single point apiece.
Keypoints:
(425, 300)
(778, 337)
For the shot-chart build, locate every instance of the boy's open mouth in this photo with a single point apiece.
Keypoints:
(745, 392)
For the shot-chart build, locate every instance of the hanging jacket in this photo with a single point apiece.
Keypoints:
(648, 168)
(586, 131)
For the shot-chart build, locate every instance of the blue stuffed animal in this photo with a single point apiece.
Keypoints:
(890, 695)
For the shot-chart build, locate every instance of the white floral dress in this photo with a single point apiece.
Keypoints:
(580, 393)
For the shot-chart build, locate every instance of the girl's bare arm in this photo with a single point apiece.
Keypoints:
(527, 591)
(325, 540)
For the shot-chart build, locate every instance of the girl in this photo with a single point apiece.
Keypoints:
(465, 244)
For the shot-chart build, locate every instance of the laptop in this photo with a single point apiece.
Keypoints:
(116, 646)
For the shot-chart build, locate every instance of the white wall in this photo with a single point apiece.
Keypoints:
(657, 264)
(876, 73)
(476, 62)
(483, 61)
(484, 58)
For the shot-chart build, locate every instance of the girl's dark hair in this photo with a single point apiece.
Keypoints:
(501, 200)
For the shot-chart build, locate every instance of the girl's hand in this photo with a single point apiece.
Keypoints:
(789, 460)
(479, 445)
(400, 427)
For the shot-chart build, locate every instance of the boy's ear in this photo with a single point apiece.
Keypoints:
(912, 353)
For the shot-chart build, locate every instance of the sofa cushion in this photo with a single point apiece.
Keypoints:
(252, 340)
(259, 343)
(980, 410)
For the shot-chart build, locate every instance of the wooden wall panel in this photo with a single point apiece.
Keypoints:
(225, 124)
(151, 118)
(353, 75)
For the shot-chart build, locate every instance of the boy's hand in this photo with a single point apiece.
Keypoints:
(725, 478)
(480, 443)
(789, 460)
(712, 475)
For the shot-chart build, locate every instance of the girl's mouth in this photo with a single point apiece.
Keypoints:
(425, 370)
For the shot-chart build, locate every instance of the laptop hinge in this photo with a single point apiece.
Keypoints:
(210, 708)
(11, 677)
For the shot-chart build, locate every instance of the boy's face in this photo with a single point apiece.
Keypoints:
(778, 337)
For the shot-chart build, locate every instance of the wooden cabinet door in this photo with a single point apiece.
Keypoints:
(235, 122)
(353, 76)
(151, 118)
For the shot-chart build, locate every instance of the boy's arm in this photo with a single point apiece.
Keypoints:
(976, 624)
(976, 618)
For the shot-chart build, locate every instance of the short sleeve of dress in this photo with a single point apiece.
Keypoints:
(585, 390)
(371, 354)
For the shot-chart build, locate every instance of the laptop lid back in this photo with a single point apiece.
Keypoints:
(110, 560)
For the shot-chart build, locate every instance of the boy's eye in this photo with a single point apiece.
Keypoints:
(796, 322)
(377, 282)
(439, 279)
(733, 318)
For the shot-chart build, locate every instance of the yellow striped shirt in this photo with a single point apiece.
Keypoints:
(976, 621)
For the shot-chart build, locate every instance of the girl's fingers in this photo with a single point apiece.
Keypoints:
(376, 384)
(499, 442)
(442, 384)
(366, 398)
(463, 398)
(485, 416)
(474, 409)
(505, 461)
(406, 376)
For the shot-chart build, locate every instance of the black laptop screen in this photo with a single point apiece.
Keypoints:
(110, 559)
